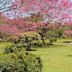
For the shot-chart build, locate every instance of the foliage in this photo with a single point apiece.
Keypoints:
(26, 39)
(42, 30)
(13, 48)
(12, 38)
(38, 12)
(68, 33)
(53, 57)
(4, 36)
(20, 62)
(53, 10)
(34, 18)
(37, 43)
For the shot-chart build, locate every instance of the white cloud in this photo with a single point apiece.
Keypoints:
(70, 0)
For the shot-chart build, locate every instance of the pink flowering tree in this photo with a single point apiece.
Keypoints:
(52, 10)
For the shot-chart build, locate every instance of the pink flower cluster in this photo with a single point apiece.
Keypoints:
(9, 29)
(17, 26)
(68, 32)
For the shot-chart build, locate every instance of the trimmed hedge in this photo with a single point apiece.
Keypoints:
(20, 62)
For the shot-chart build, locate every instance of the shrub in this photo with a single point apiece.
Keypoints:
(13, 39)
(52, 40)
(13, 48)
(37, 43)
(20, 62)
(26, 42)
(26, 39)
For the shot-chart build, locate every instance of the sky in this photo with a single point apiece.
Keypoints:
(5, 3)
(70, 0)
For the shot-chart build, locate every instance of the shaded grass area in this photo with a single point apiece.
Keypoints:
(56, 58)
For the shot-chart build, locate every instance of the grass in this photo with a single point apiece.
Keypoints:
(57, 58)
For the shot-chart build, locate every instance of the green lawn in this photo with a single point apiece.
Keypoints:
(57, 58)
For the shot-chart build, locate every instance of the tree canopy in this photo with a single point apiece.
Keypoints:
(53, 10)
